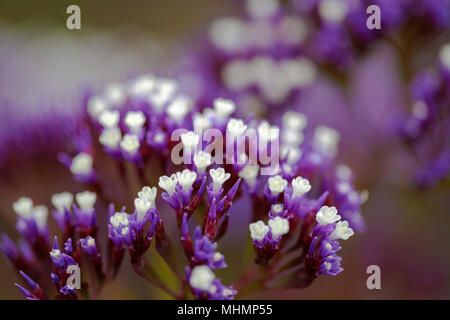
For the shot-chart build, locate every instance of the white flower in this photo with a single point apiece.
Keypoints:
(202, 160)
(294, 120)
(342, 231)
(90, 242)
(292, 30)
(236, 127)
(143, 85)
(327, 215)
(148, 194)
(291, 154)
(162, 93)
(130, 143)
(201, 122)
(333, 10)
(62, 201)
(86, 200)
(95, 106)
(142, 206)
(115, 93)
(227, 33)
(201, 278)
(249, 173)
(258, 230)
(278, 227)
(119, 219)
(219, 177)
(82, 164)
(292, 137)
(300, 186)
(134, 120)
(179, 108)
(223, 107)
(23, 207)
(109, 118)
(277, 208)
(260, 9)
(111, 137)
(266, 132)
(168, 183)
(40, 216)
(55, 254)
(326, 140)
(444, 55)
(190, 140)
(343, 172)
(186, 179)
(277, 184)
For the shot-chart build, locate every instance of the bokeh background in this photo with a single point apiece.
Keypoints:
(44, 66)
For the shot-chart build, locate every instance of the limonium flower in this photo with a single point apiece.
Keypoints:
(141, 153)
(424, 128)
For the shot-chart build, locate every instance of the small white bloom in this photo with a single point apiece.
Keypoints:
(130, 143)
(294, 120)
(293, 138)
(23, 207)
(219, 177)
(266, 132)
(86, 200)
(291, 154)
(90, 242)
(40, 216)
(143, 85)
(109, 118)
(327, 215)
(277, 208)
(111, 137)
(119, 219)
(201, 278)
(223, 107)
(62, 201)
(190, 140)
(55, 253)
(168, 183)
(186, 179)
(326, 140)
(333, 10)
(82, 164)
(277, 184)
(260, 9)
(201, 122)
(258, 230)
(249, 173)
(96, 105)
(202, 160)
(300, 186)
(217, 256)
(134, 120)
(343, 172)
(115, 94)
(278, 227)
(142, 206)
(236, 127)
(227, 33)
(179, 108)
(342, 231)
(148, 194)
(444, 55)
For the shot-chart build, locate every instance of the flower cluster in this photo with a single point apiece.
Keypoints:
(428, 120)
(124, 147)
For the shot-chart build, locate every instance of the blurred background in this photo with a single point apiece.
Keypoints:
(44, 66)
